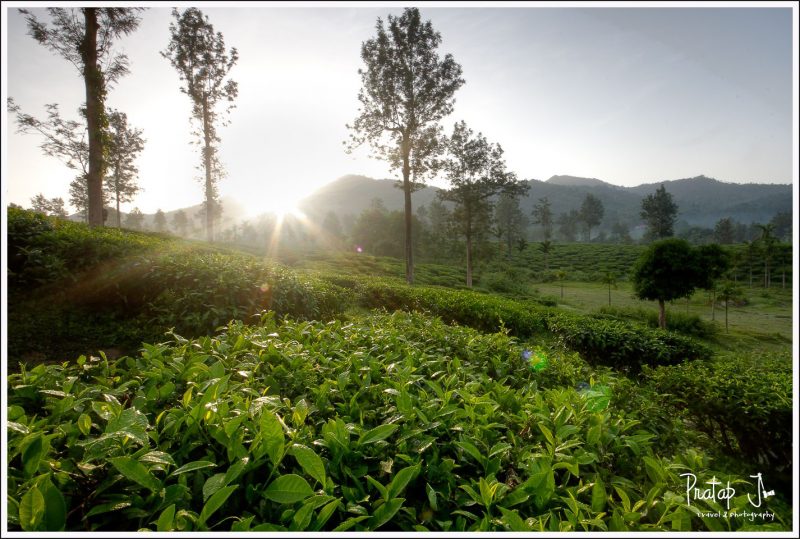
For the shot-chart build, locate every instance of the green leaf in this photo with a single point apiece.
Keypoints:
(32, 456)
(106, 508)
(157, 457)
(473, 451)
(431, 496)
(302, 518)
(547, 434)
(401, 480)
(213, 484)
(384, 492)
(349, 523)
(272, 439)
(85, 424)
(288, 488)
(325, 514)
(242, 525)
(31, 509)
(192, 466)
(514, 521)
(215, 502)
(55, 516)
(598, 495)
(381, 432)
(164, 523)
(136, 472)
(310, 462)
(385, 512)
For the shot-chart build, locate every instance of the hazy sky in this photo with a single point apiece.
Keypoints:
(627, 95)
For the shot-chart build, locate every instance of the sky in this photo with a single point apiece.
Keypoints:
(627, 95)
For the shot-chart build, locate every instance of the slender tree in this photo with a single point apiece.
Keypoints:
(510, 220)
(728, 292)
(610, 279)
(766, 244)
(591, 213)
(124, 145)
(560, 276)
(477, 172)
(86, 37)
(203, 64)
(545, 247)
(659, 212)
(542, 215)
(713, 261)
(407, 88)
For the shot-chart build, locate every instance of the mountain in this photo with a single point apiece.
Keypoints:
(702, 201)
(575, 181)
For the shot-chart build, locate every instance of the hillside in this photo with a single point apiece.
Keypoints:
(702, 201)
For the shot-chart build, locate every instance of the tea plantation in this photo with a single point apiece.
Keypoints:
(246, 396)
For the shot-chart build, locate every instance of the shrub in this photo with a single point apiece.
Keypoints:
(743, 402)
(688, 324)
(385, 422)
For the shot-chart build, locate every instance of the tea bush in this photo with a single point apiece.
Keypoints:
(385, 422)
(744, 402)
(688, 324)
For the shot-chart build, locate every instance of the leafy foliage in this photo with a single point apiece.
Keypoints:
(386, 422)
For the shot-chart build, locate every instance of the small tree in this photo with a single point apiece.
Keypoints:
(545, 247)
(724, 231)
(560, 276)
(511, 221)
(134, 219)
(728, 292)
(610, 279)
(203, 64)
(568, 225)
(406, 89)
(659, 212)
(667, 270)
(476, 171)
(51, 206)
(591, 213)
(180, 222)
(124, 145)
(766, 245)
(713, 262)
(542, 215)
(160, 221)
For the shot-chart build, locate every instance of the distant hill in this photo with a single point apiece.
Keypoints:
(701, 201)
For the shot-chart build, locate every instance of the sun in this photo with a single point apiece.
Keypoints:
(281, 202)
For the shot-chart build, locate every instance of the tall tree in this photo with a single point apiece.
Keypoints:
(203, 64)
(406, 89)
(477, 172)
(124, 145)
(591, 213)
(659, 212)
(510, 221)
(542, 215)
(782, 221)
(667, 270)
(85, 37)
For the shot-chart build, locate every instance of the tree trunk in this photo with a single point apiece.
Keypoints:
(469, 259)
(116, 190)
(783, 279)
(713, 302)
(406, 149)
(726, 315)
(562, 289)
(209, 185)
(662, 315)
(93, 80)
(751, 277)
(609, 295)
